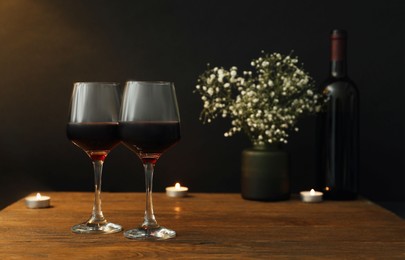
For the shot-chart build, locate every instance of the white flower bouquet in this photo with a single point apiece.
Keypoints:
(264, 103)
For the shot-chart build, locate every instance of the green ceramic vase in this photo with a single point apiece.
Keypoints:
(265, 174)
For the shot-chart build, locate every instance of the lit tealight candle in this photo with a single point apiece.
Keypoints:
(311, 196)
(176, 191)
(38, 201)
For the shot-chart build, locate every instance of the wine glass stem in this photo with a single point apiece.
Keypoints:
(149, 220)
(97, 214)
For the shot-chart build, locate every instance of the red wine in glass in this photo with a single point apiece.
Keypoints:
(96, 139)
(149, 139)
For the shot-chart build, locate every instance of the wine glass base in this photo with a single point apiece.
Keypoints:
(157, 233)
(90, 228)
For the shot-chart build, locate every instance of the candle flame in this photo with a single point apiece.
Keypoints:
(177, 185)
(312, 192)
(38, 195)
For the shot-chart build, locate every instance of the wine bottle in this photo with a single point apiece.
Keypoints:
(338, 125)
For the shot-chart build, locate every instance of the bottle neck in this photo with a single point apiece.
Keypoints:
(338, 69)
(338, 66)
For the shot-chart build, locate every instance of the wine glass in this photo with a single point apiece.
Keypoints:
(149, 124)
(93, 127)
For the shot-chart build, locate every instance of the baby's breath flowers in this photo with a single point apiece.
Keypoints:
(265, 103)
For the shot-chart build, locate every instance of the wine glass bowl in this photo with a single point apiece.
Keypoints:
(149, 125)
(93, 127)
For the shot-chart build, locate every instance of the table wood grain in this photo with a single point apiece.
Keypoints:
(208, 226)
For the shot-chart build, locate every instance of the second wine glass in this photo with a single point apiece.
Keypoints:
(149, 124)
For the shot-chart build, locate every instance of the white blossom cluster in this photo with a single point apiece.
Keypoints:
(265, 104)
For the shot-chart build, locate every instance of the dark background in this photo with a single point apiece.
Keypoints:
(46, 45)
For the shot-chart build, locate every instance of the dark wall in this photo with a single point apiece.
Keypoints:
(46, 45)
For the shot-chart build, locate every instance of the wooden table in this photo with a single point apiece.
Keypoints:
(215, 226)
